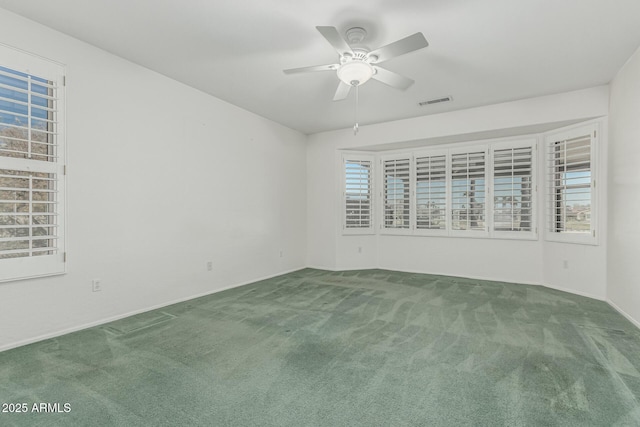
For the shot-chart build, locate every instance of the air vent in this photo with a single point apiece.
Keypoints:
(435, 101)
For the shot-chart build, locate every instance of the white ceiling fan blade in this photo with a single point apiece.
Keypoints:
(392, 79)
(342, 92)
(397, 48)
(336, 40)
(313, 68)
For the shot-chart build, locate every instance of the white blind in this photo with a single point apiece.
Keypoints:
(28, 223)
(357, 193)
(397, 193)
(468, 190)
(570, 185)
(30, 174)
(512, 189)
(27, 116)
(431, 192)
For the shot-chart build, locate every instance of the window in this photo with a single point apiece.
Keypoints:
(513, 188)
(397, 193)
(485, 189)
(358, 200)
(31, 167)
(468, 190)
(431, 192)
(571, 185)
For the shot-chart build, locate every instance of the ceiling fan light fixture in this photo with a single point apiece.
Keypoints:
(355, 73)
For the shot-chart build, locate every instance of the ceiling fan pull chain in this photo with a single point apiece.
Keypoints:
(355, 127)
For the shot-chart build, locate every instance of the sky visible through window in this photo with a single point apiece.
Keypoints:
(578, 193)
(14, 99)
(357, 180)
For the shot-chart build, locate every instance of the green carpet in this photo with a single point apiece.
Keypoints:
(366, 348)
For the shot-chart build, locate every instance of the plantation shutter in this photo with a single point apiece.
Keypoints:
(468, 190)
(31, 170)
(397, 195)
(570, 178)
(513, 189)
(358, 194)
(431, 192)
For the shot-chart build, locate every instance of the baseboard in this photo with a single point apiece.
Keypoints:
(624, 313)
(134, 312)
(315, 267)
(493, 279)
(488, 279)
(573, 291)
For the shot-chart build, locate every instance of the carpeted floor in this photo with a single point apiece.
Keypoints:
(366, 348)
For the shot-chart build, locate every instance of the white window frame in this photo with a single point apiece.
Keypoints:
(468, 150)
(396, 230)
(358, 157)
(53, 264)
(432, 153)
(541, 196)
(515, 144)
(594, 130)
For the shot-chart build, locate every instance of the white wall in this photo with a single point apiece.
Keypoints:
(534, 262)
(162, 178)
(623, 274)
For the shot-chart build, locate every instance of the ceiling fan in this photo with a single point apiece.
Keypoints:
(357, 64)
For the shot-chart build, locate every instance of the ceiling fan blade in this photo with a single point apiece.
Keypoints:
(328, 67)
(392, 79)
(335, 39)
(342, 92)
(400, 47)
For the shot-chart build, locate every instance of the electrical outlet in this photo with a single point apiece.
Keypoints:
(209, 265)
(96, 285)
(565, 264)
(281, 253)
(359, 249)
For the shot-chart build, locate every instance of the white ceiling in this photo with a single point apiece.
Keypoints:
(481, 52)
